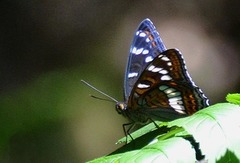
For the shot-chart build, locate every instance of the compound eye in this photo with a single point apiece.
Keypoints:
(120, 107)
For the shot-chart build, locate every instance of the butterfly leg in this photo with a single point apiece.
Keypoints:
(157, 126)
(127, 130)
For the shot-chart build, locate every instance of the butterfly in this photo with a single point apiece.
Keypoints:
(157, 85)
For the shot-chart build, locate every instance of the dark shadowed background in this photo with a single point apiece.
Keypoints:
(47, 47)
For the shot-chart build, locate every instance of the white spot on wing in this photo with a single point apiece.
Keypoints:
(177, 109)
(165, 58)
(169, 90)
(166, 77)
(148, 59)
(145, 51)
(175, 100)
(174, 94)
(133, 74)
(151, 68)
(176, 104)
(147, 40)
(139, 51)
(142, 34)
(169, 64)
(156, 69)
(143, 86)
(134, 49)
(163, 72)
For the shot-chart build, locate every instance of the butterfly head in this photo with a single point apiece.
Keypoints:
(121, 108)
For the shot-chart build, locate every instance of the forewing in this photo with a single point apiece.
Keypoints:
(166, 84)
(146, 45)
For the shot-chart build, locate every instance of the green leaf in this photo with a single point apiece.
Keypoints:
(213, 131)
(233, 98)
(161, 151)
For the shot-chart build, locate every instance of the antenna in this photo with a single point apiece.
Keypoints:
(94, 88)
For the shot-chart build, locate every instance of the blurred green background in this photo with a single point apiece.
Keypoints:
(47, 47)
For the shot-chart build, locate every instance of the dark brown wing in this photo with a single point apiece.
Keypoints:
(165, 86)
